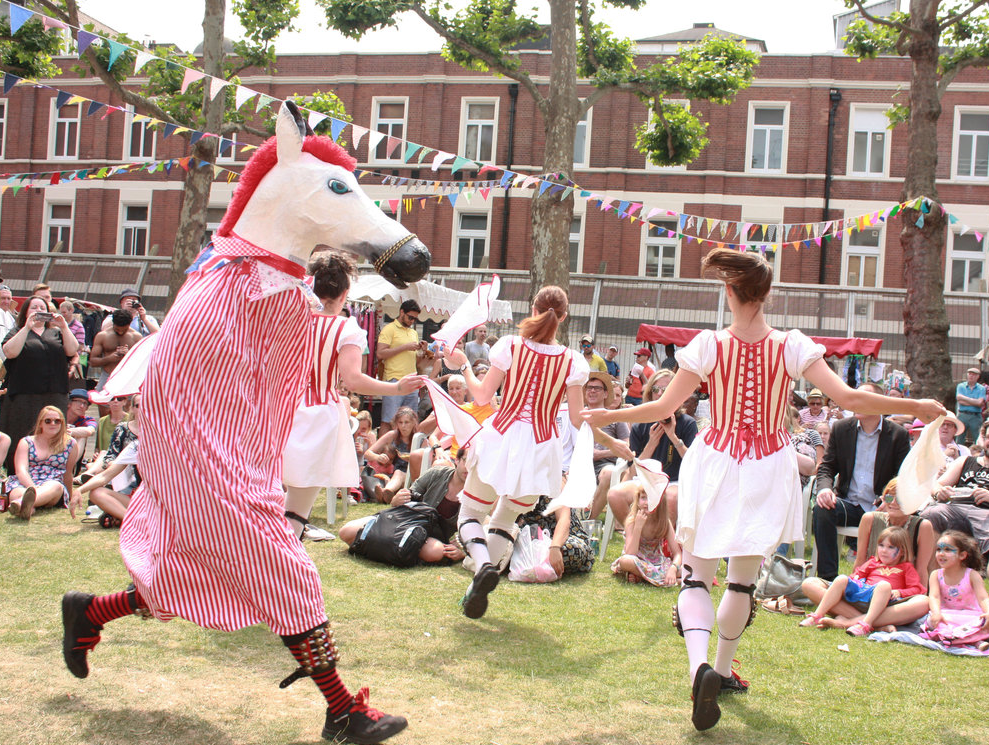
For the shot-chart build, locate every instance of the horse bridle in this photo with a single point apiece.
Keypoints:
(380, 262)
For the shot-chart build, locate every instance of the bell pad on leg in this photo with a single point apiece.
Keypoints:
(687, 584)
(316, 651)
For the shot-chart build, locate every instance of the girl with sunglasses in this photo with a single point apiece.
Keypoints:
(959, 602)
(43, 465)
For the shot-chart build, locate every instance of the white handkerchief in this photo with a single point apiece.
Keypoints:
(128, 376)
(579, 489)
(653, 480)
(919, 469)
(450, 418)
(472, 313)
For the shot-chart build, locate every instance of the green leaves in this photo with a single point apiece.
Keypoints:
(674, 139)
(29, 53)
(490, 26)
(714, 70)
(354, 18)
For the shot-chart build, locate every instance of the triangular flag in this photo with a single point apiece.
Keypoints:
(336, 127)
(141, 59)
(391, 145)
(94, 106)
(168, 130)
(196, 137)
(373, 139)
(50, 23)
(18, 17)
(84, 39)
(395, 205)
(263, 100)
(315, 119)
(225, 145)
(459, 163)
(440, 158)
(242, 95)
(9, 81)
(543, 186)
(453, 199)
(423, 153)
(215, 86)
(358, 133)
(61, 99)
(190, 77)
(410, 150)
(116, 49)
(484, 194)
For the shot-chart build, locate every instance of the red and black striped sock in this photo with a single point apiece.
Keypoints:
(110, 607)
(338, 698)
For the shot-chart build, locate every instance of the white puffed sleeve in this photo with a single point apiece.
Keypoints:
(579, 369)
(800, 352)
(699, 355)
(500, 355)
(352, 334)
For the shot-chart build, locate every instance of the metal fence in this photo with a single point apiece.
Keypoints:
(610, 308)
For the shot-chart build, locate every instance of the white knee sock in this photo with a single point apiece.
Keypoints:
(503, 518)
(696, 609)
(469, 527)
(300, 500)
(734, 610)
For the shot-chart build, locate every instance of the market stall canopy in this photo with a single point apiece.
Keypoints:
(437, 302)
(834, 346)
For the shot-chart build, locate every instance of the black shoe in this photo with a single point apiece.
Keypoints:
(707, 686)
(362, 724)
(79, 633)
(475, 601)
(734, 684)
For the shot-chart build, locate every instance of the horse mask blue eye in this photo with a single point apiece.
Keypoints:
(338, 187)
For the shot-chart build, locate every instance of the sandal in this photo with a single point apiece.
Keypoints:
(859, 629)
(814, 619)
(783, 605)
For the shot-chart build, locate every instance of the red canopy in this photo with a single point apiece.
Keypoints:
(834, 346)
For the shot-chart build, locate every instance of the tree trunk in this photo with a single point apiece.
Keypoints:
(199, 180)
(925, 320)
(551, 216)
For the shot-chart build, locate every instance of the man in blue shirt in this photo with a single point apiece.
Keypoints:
(971, 395)
(609, 361)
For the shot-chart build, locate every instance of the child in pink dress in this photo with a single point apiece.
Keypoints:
(739, 489)
(959, 602)
(646, 533)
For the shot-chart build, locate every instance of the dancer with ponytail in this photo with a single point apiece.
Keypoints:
(517, 455)
(740, 491)
(320, 450)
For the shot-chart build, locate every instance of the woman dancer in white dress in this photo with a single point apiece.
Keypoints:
(739, 487)
(320, 451)
(517, 455)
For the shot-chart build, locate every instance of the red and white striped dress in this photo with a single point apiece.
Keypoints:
(205, 536)
(320, 449)
(739, 489)
(518, 451)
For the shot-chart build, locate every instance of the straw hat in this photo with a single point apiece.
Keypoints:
(609, 388)
(815, 393)
(959, 427)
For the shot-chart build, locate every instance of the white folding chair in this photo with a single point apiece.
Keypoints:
(621, 466)
(331, 503)
(417, 440)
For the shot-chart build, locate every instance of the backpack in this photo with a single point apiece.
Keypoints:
(394, 536)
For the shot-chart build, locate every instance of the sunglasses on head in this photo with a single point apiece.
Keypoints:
(946, 548)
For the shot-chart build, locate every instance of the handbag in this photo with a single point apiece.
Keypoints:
(782, 577)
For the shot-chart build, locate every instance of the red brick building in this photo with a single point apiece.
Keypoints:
(765, 164)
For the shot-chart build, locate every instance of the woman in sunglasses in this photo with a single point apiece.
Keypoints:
(43, 465)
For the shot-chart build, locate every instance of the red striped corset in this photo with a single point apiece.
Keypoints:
(749, 389)
(533, 389)
(321, 388)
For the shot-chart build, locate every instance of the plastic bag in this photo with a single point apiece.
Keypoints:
(530, 559)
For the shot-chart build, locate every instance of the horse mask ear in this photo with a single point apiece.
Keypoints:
(290, 129)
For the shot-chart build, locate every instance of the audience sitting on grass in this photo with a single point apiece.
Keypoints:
(123, 434)
(651, 552)
(43, 464)
(962, 494)
(111, 490)
(437, 490)
(399, 436)
(570, 550)
(104, 429)
(81, 425)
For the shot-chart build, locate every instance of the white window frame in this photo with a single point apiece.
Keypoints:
(231, 154)
(129, 138)
(754, 245)
(58, 223)
(126, 225)
(212, 225)
(55, 119)
(582, 216)
(850, 249)
(750, 131)
(852, 130)
(955, 141)
(473, 234)
(584, 161)
(952, 255)
(399, 153)
(650, 166)
(464, 123)
(3, 128)
(662, 242)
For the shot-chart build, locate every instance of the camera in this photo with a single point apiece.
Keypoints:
(46, 317)
(135, 305)
(435, 347)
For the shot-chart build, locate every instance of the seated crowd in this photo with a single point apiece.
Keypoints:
(847, 463)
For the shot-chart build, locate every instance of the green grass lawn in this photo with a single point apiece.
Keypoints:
(590, 660)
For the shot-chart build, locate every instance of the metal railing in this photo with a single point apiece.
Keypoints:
(610, 307)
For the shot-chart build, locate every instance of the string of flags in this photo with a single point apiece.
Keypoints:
(669, 223)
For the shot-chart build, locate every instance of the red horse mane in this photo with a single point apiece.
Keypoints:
(264, 160)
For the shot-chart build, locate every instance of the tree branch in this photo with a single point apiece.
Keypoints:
(951, 20)
(489, 59)
(950, 75)
(884, 21)
(585, 25)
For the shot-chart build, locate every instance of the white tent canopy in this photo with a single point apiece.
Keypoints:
(437, 302)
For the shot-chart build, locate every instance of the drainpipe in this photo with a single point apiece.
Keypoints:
(835, 96)
(513, 94)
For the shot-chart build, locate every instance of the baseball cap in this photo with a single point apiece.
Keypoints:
(79, 393)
